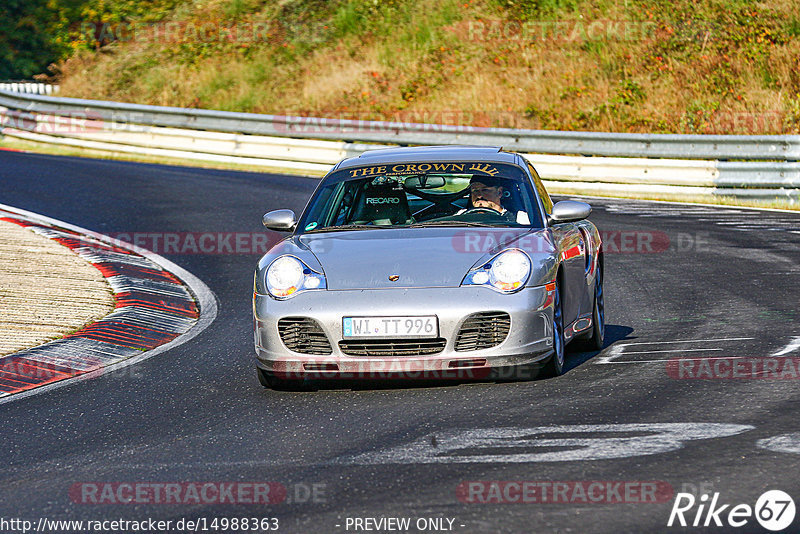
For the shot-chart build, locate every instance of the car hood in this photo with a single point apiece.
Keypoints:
(420, 257)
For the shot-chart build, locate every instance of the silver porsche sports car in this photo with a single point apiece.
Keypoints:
(427, 262)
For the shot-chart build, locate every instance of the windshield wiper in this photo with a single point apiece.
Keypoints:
(348, 227)
(450, 223)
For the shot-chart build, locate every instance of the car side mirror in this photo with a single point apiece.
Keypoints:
(280, 220)
(569, 211)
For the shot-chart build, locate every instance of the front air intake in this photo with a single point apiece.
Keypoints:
(393, 347)
(483, 331)
(303, 335)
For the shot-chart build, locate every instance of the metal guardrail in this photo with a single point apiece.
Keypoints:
(720, 147)
(35, 88)
(272, 141)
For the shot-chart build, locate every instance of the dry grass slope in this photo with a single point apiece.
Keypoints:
(664, 66)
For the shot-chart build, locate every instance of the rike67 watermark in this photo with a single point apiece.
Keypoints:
(774, 510)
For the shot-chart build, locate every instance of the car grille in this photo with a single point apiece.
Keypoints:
(393, 347)
(483, 331)
(303, 335)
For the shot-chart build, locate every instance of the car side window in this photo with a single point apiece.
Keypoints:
(548, 204)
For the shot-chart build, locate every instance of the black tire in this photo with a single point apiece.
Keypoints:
(555, 364)
(596, 337)
(270, 381)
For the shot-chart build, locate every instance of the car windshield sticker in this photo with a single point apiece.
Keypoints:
(406, 168)
(311, 226)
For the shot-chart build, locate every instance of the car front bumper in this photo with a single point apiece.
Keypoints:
(529, 339)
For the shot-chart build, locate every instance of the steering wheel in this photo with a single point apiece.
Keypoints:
(490, 211)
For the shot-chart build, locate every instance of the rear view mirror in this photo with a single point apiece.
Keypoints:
(280, 220)
(422, 181)
(569, 211)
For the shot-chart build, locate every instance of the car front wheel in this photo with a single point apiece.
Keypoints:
(596, 337)
(555, 364)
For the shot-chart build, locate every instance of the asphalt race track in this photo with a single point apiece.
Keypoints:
(681, 281)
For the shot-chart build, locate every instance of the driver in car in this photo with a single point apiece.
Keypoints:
(487, 192)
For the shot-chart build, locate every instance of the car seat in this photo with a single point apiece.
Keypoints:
(384, 203)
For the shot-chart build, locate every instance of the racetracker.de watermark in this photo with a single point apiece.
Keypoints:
(559, 31)
(740, 122)
(613, 241)
(349, 122)
(429, 121)
(177, 493)
(74, 122)
(53, 121)
(564, 492)
(25, 370)
(734, 368)
(464, 241)
(400, 368)
(177, 32)
(208, 243)
(208, 492)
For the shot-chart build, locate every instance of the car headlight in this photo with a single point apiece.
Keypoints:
(287, 276)
(506, 272)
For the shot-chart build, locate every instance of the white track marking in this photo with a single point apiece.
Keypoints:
(717, 208)
(613, 352)
(618, 350)
(738, 218)
(688, 341)
(784, 443)
(683, 359)
(205, 298)
(793, 345)
(581, 443)
(671, 350)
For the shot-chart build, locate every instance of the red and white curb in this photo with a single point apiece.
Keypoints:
(159, 306)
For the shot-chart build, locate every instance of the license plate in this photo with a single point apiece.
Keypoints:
(389, 327)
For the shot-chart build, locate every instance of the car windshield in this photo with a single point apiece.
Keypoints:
(421, 195)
